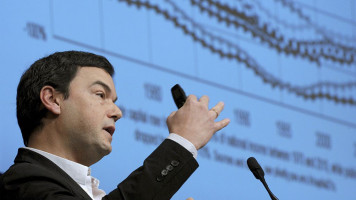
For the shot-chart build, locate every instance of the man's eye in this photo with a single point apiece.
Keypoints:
(101, 95)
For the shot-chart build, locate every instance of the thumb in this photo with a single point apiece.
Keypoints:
(171, 115)
(190, 198)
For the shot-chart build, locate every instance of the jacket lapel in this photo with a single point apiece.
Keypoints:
(28, 156)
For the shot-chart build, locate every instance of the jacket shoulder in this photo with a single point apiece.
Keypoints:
(36, 179)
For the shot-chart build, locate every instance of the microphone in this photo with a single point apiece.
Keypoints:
(258, 172)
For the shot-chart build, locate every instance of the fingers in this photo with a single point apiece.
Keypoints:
(204, 99)
(216, 110)
(221, 124)
(192, 98)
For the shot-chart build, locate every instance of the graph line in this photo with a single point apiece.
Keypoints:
(313, 50)
(212, 43)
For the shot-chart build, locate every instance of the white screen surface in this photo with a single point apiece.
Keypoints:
(285, 70)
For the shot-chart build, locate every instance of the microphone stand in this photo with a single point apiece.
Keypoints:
(262, 179)
(259, 174)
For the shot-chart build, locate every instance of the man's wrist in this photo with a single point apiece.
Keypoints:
(184, 142)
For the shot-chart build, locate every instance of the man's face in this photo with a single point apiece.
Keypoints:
(88, 115)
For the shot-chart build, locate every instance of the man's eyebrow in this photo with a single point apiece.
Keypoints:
(105, 86)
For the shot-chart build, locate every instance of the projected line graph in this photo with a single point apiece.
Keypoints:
(277, 19)
(328, 32)
(311, 50)
(305, 22)
(229, 50)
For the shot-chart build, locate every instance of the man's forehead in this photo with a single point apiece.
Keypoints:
(93, 72)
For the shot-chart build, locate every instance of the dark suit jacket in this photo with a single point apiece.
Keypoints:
(35, 177)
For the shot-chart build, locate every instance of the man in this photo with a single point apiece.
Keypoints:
(66, 112)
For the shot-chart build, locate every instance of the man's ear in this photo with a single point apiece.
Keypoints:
(51, 99)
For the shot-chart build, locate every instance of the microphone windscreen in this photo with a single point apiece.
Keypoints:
(255, 168)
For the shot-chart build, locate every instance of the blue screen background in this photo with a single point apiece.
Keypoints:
(285, 69)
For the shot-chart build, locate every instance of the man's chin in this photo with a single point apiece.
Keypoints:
(103, 151)
(107, 149)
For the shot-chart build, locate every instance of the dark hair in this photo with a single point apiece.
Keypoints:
(56, 70)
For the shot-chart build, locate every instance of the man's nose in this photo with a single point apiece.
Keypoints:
(116, 113)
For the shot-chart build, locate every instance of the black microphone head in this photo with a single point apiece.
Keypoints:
(255, 168)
